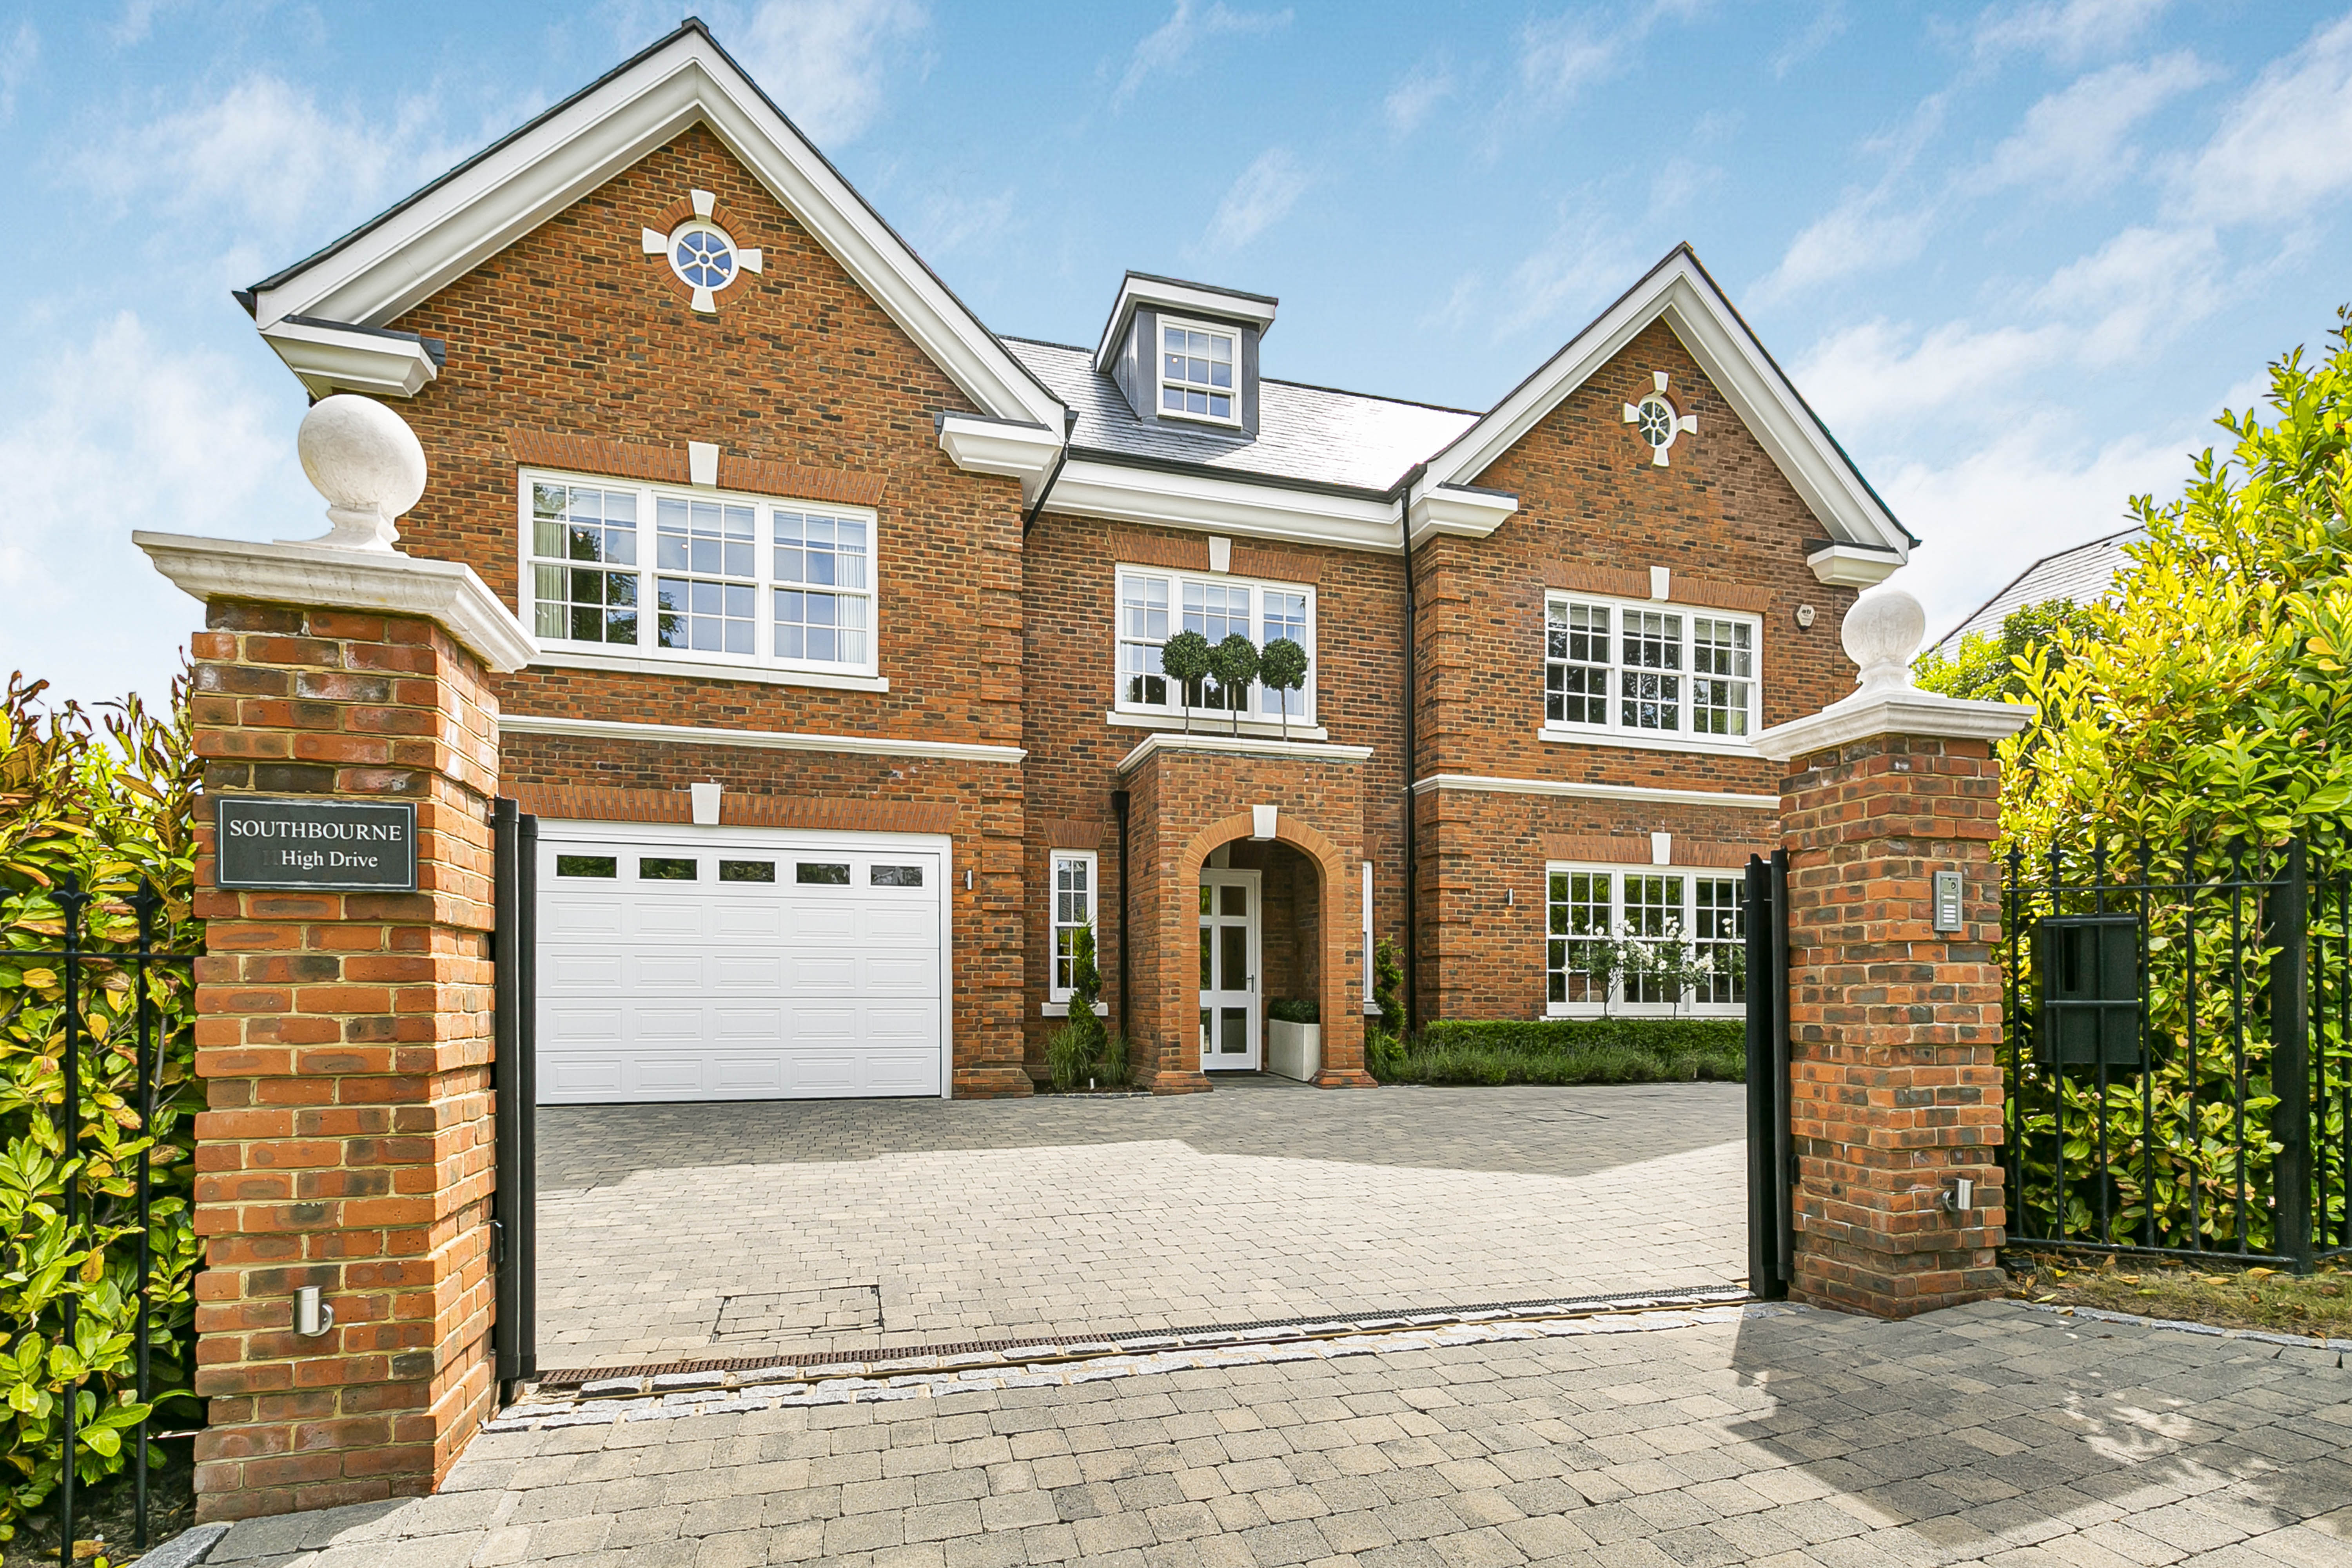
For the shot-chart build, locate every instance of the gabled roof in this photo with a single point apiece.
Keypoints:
(1306, 434)
(404, 256)
(2083, 574)
(1679, 291)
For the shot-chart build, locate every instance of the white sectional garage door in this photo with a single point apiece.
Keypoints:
(730, 964)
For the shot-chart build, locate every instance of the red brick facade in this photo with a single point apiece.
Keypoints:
(1894, 1030)
(345, 1043)
(573, 349)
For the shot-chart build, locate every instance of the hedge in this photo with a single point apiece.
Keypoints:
(1571, 1051)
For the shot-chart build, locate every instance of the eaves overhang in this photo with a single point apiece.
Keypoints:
(1121, 488)
(1186, 298)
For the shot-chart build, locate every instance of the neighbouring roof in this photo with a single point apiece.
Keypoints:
(2083, 574)
(1312, 435)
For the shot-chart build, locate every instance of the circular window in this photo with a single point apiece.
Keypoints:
(703, 256)
(1656, 420)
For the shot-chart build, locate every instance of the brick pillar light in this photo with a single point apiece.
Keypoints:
(1895, 1014)
(344, 1038)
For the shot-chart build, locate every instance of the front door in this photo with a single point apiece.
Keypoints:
(1229, 971)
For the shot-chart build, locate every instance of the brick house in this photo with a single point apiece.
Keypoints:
(848, 708)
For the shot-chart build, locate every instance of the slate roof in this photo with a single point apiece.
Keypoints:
(1310, 435)
(2083, 574)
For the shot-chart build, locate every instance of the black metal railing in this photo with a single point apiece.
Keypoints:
(84, 963)
(2178, 1052)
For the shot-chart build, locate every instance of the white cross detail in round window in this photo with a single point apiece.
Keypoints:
(1654, 420)
(703, 256)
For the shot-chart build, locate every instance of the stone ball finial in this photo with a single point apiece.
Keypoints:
(1882, 632)
(369, 464)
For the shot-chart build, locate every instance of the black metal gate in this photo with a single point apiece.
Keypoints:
(515, 1081)
(2178, 1052)
(1771, 1157)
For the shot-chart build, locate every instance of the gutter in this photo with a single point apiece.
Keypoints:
(1412, 998)
(1046, 491)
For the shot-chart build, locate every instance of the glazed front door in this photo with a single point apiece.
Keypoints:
(1229, 971)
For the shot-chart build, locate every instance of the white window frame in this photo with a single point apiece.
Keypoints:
(1160, 382)
(1301, 723)
(646, 654)
(1058, 1004)
(1690, 921)
(1613, 729)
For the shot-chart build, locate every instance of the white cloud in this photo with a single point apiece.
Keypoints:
(1561, 56)
(2064, 30)
(1265, 192)
(1829, 21)
(139, 19)
(1984, 517)
(16, 61)
(953, 222)
(1859, 235)
(268, 149)
(1168, 47)
(170, 440)
(2077, 139)
(2286, 144)
(1409, 102)
(823, 60)
(1584, 265)
(2139, 289)
(1874, 373)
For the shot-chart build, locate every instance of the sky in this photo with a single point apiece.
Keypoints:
(2018, 256)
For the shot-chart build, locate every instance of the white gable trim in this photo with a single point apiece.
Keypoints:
(450, 227)
(1679, 291)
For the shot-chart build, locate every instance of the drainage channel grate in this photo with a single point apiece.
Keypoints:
(1042, 1347)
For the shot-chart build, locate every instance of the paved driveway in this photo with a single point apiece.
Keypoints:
(681, 1231)
(1994, 1435)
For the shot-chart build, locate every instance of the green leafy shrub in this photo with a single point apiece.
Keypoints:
(110, 807)
(1082, 1050)
(1295, 1010)
(1387, 975)
(2208, 698)
(1567, 1051)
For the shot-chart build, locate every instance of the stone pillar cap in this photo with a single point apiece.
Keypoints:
(1881, 633)
(336, 577)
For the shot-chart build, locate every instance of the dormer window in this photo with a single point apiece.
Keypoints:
(1197, 371)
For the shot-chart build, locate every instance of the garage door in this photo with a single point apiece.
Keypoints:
(720, 964)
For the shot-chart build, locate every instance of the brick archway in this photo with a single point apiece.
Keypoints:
(1343, 1025)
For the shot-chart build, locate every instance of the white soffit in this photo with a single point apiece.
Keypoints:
(1205, 504)
(1852, 566)
(448, 229)
(1024, 452)
(1459, 509)
(328, 357)
(1679, 291)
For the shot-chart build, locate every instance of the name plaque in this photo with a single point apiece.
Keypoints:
(325, 846)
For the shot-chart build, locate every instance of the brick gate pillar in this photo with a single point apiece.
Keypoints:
(344, 1038)
(1895, 1004)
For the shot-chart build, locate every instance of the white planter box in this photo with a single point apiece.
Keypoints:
(1293, 1050)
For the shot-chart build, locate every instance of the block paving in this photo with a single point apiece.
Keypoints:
(1992, 1434)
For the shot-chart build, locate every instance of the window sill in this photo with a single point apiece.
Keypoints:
(1218, 724)
(1061, 1010)
(703, 669)
(1557, 735)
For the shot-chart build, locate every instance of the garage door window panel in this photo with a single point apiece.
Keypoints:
(821, 874)
(746, 870)
(665, 869)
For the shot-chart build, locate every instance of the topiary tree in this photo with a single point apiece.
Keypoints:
(1283, 667)
(1185, 659)
(1234, 663)
(1075, 1052)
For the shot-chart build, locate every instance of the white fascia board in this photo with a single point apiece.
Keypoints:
(1211, 504)
(1823, 476)
(1908, 712)
(1184, 298)
(762, 740)
(1458, 511)
(1849, 566)
(453, 228)
(1024, 452)
(339, 359)
(331, 577)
